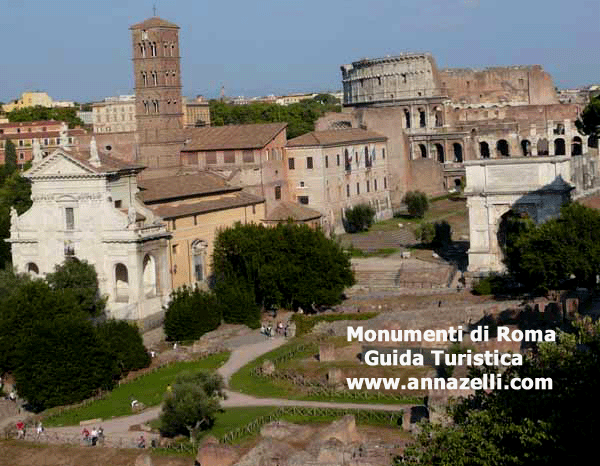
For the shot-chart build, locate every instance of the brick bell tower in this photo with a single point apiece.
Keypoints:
(158, 101)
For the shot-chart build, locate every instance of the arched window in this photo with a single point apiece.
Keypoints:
(149, 276)
(153, 48)
(440, 153)
(199, 251)
(438, 118)
(484, 150)
(576, 146)
(145, 78)
(155, 78)
(422, 118)
(32, 269)
(542, 147)
(146, 107)
(526, 147)
(423, 151)
(559, 146)
(502, 148)
(458, 152)
(121, 283)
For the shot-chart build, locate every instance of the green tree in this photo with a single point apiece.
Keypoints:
(416, 203)
(62, 361)
(14, 192)
(39, 113)
(124, 341)
(238, 303)
(191, 313)
(443, 234)
(192, 404)
(359, 218)
(425, 233)
(79, 277)
(526, 427)
(562, 252)
(589, 120)
(288, 265)
(10, 158)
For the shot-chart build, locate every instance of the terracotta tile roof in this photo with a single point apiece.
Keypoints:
(183, 186)
(592, 201)
(297, 212)
(40, 135)
(229, 201)
(108, 164)
(21, 124)
(334, 137)
(255, 136)
(154, 22)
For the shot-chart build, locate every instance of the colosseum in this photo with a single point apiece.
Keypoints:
(436, 119)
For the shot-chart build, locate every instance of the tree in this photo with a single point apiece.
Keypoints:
(10, 158)
(589, 120)
(238, 303)
(192, 404)
(80, 278)
(425, 233)
(359, 218)
(190, 314)
(443, 234)
(526, 427)
(14, 192)
(417, 203)
(62, 361)
(39, 113)
(562, 252)
(288, 265)
(124, 341)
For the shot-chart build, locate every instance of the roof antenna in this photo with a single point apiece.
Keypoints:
(154, 10)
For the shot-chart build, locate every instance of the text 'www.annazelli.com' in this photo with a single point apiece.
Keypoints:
(486, 382)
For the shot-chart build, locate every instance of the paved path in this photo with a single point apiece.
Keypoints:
(239, 357)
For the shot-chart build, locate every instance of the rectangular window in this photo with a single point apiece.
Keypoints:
(309, 163)
(357, 188)
(291, 163)
(248, 156)
(302, 184)
(175, 248)
(375, 185)
(303, 200)
(384, 183)
(347, 190)
(174, 224)
(253, 209)
(69, 249)
(211, 158)
(326, 162)
(368, 187)
(69, 218)
(277, 193)
(199, 268)
(338, 159)
(229, 156)
(383, 153)
(118, 204)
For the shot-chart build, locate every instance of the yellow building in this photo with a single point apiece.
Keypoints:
(34, 99)
(196, 112)
(194, 207)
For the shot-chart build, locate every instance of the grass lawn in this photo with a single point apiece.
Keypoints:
(245, 381)
(148, 389)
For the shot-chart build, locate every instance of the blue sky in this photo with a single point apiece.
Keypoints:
(81, 49)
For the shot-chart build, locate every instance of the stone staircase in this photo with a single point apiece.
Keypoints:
(8, 409)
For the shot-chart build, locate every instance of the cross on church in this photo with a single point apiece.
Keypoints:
(154, 9)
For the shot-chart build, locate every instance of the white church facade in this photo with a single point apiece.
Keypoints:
(85, 206)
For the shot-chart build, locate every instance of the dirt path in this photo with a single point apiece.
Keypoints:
(238, 359)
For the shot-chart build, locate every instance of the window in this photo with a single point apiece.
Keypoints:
(357, 188)
(229, 156)
(118, 204)
(309, 163)
(199, 268)
(347, 190)
(174, 224)
(375, 185)
(21, 143)
(368, 187)
(338, 159)
(21, 155)
(253, 209)
(326, 162)
(291, 163)
(69, 249)
(303, 200)
(248, 156)
(384, 182)
(69, 218)
(175, 249)
(383, 153)
(302, 184)
(277, 193)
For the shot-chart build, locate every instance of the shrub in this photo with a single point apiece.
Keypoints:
(190, 314)
(191, 404)
(483, 287)
(443, 234)
(125, 342)
(417, 203)
(425, 233)
(359, 218)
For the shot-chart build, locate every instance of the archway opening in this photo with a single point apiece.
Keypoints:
(484, 150)
(458, 152)
(440, 153)
(542, 147)
(559, 146)
(121, 283)
(526, 147)
(32, 269)
(423, 151)
(149, 276)
(502, 148)
(576, 146)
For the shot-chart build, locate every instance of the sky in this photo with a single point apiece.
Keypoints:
(81, 49)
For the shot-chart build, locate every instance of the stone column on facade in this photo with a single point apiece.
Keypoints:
(534, 146)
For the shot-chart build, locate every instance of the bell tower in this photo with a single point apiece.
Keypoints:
(158, 101)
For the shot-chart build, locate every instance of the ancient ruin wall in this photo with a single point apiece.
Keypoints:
(513, 85)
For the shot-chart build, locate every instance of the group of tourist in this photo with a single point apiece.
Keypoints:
(92, 438)
(280, 329)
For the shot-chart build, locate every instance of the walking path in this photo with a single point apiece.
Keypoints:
(240, 356)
